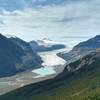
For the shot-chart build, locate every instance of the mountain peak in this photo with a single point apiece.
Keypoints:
(47, 41)
(10, 36)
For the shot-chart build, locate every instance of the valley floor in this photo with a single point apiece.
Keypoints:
(51, 69)
(10, 83)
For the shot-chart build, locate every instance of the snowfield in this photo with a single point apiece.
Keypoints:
(46, 41)
(52, 60)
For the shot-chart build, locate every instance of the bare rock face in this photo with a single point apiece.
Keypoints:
(84, 62)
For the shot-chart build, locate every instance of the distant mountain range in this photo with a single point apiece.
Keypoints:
(16, 55)
(46, 45)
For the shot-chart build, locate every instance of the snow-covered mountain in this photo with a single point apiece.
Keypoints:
(46, 45)
(10, 36)
(46, 41)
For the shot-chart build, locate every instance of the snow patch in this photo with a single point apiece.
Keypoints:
(47, 41)
(9, 36)
(52, 60)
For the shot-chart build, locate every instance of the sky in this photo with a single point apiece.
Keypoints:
(69, 21)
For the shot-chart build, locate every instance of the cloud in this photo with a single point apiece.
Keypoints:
(57, 18)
